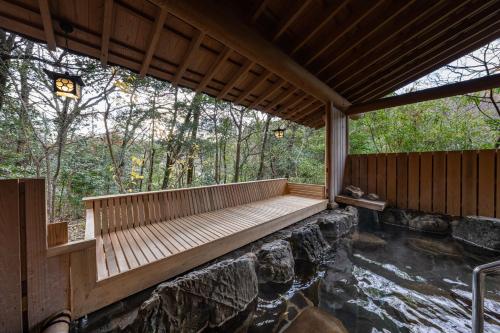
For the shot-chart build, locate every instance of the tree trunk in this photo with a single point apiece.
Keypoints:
(194, 133)
(260, 173)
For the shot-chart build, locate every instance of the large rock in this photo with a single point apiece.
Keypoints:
(353, 191)
(315, 320)
(429, 223)
(479, 231)
(275, 262)
(208, 297)
(338, 223)
(441, 248)
(308, 243)
(367, 241)
(395, 216)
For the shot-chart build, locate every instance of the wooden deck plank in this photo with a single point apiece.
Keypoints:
(127, 251)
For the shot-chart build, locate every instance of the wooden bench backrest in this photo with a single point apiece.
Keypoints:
(128, 210)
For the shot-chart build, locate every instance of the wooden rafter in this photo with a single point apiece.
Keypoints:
(236, 77)
(47, 24)
(107, 24)
(370, 32)
(221, 58)
(193, 46)
(333, 11)
(280, 98)
(220, 23)
(290, 105)
(301, 108)
(259, 10)
(460, 88)
(276, 85)
(290, 18)
(443, 45)
(409, 42)
(461, 47)
(153, 40)
(263, 77)
(344, 28)
(307, 113)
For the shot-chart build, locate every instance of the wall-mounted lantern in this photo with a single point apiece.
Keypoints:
(279, 133)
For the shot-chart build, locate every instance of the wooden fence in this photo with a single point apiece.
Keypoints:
(457, 183)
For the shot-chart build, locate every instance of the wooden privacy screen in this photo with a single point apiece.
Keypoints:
(457, 183)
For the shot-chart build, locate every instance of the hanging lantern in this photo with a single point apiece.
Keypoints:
(279, 133)
(66, 85)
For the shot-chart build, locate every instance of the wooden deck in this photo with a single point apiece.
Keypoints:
(125, 250)
(143, 239)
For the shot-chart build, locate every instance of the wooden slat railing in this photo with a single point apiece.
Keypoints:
(128, 210)
(457, 183)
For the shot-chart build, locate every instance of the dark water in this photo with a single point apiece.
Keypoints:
(415, 283)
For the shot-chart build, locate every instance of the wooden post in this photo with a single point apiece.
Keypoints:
(335, 151)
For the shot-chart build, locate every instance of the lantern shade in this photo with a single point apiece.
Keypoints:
(279, 133)
(66, 85)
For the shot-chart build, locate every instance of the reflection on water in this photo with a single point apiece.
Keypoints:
(414, 283)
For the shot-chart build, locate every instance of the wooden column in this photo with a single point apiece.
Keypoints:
(335, 150)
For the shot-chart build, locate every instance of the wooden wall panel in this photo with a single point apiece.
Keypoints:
(413, 181)
(426, 182)
(382, 176)
(486, 184)
(454, 183)
(347, 172)
(10, 258)
(469, 183)
(402, 181)
(439, 182)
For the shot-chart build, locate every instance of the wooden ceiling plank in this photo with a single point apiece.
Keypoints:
(460, 88)
(47, 24)
(253, 85)
(221, 58)
(279, 99)
(153, 40)
(301, 108)
(427, 23)
(384, 80)
(193, 46)
(333, 11)
(276, 85)
(247, 65)
(259, 10)
(107, 24)
(370, 31)
(461, 48)
(308, 115)
(290, 104)
(343, 29)
(219, 22)
(290, 18)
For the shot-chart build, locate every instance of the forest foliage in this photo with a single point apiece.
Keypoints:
(129, 134)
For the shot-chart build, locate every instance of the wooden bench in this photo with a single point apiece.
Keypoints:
(145, 238)
(364, 203)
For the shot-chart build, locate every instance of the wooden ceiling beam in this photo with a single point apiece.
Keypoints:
(221, 58)
(444, 45)
(280, 98)
(283, 110)
(331, 13)
(48, 28)
(425, 66)
(290, 18)
(253, 85)
(107, 24)
(343, 29)
(259, 10)
(397, 9)
(307, 104)
(193, 46)
(216, 20)
(276, 85)
(460, 88)
(153, 40)
(308, 115)
(245, 67)
(406, 43)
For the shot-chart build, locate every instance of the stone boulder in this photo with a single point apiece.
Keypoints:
(308, 243)
(208, 297)
(429, 223)
(315, 320)
(395, 216)
(367, 241)
(338, 223)
(275, 262)
(439, 248)
(372, 197)
(353, 191)
(483, 232)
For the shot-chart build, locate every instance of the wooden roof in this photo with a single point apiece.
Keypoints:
(280, 56)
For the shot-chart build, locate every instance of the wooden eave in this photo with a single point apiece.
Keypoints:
(289, 57)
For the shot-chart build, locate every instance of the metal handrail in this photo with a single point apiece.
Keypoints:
(478, 276)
